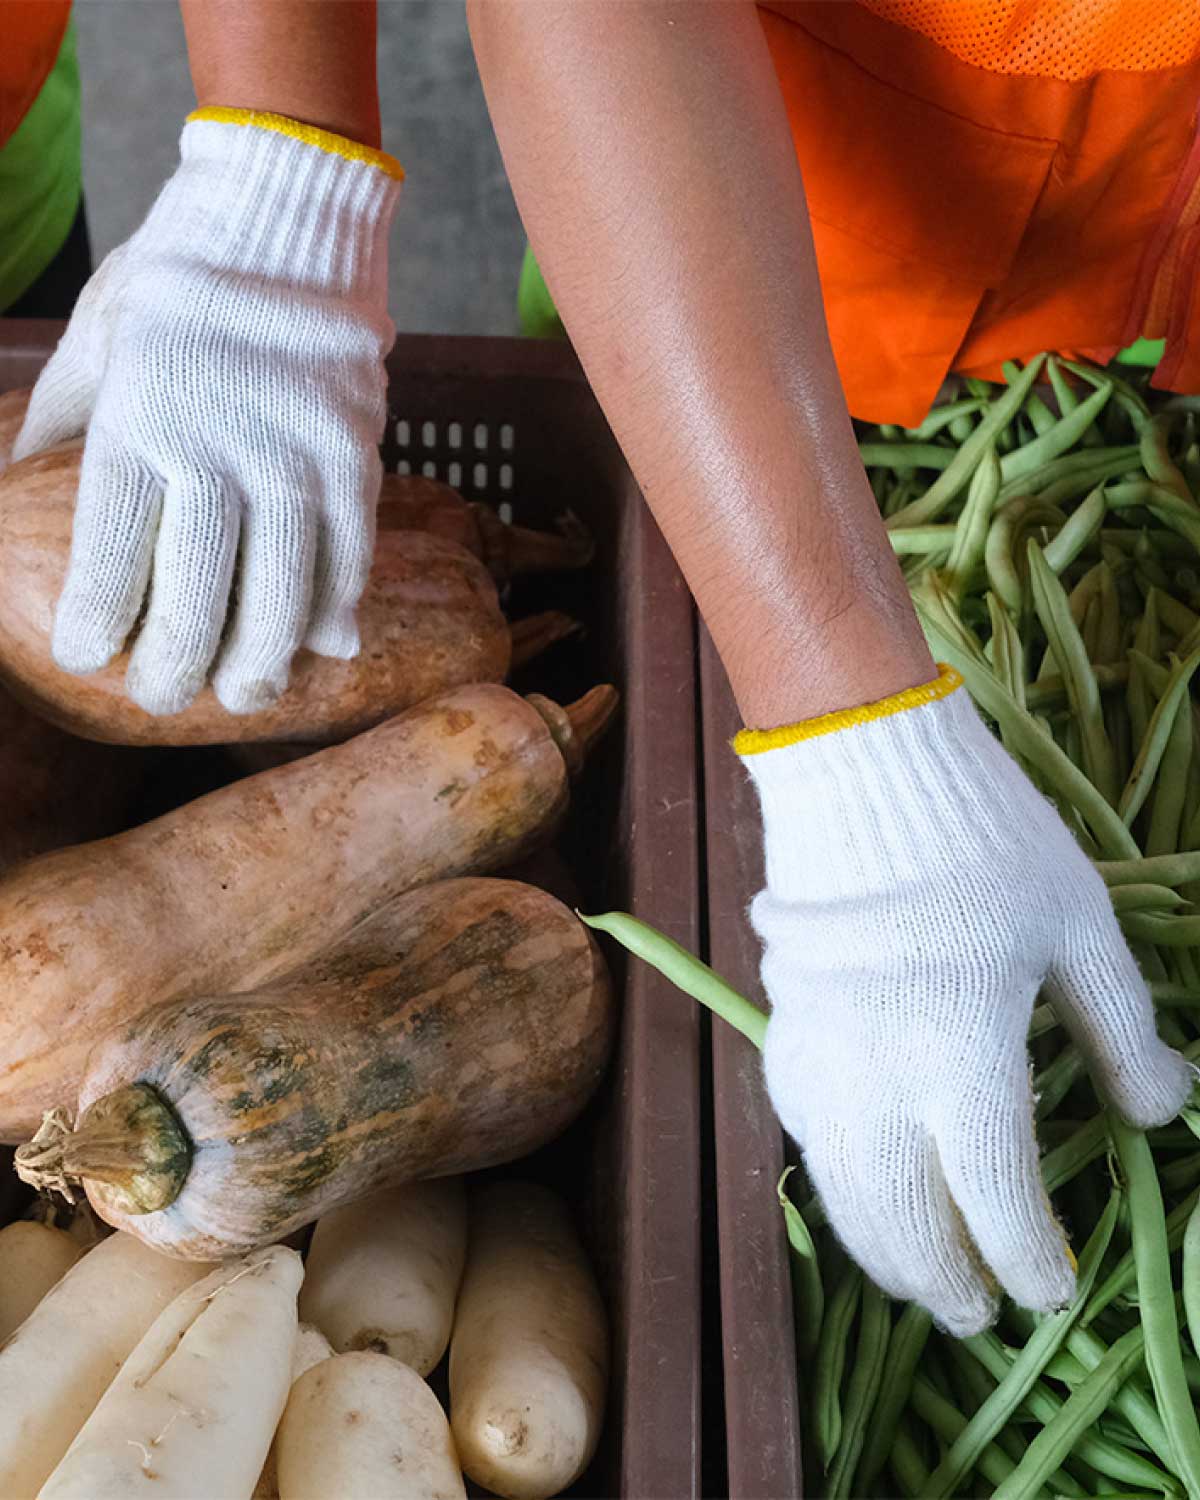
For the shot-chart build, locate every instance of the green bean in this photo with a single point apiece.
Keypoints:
(1164, 932)
(1026, 1367)
(1063, 394)
(1178, 514)
(1063, 435)
(1154, 744)
(1000, 550)
(1163, 869)
(831, 1363)
(906, 1463)
(1176, 616)
(1078, 1151)
(1146, 897)
(1156, 1301)
(906, 456)
(1179, 1175)
(947, 1422)
(1191, 1276)
(950, 484)
(1068, 479)
(1083, 693)
(1041, 418)
(1123, 394)
(1069, 1422)
(874, 1334)
(1139, 700)
(921, 541)
(1081, 529)
(1108, 644)
(971, 532)
(1042, 1021)
(909, 1338)
(1170, 788)
(1055, 1081)
(1008, 654)
(1156, 458)
(806, 1271)
(944, 416)
(684, 970)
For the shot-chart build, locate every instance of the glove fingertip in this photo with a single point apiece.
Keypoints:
(241, 693)
(336, 636)
(80, 648)
(1150, 1090)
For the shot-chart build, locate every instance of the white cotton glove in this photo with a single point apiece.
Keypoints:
(920, 891)
(227, 364)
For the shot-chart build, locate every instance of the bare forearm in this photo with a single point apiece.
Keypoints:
(650, 155)
(313, 60)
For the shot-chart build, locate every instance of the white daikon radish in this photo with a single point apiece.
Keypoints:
(382, 1274)
(193, 1410)
(365, 1427)
(33, 1258)
(311, 1348)
(529, 1353)
(62, 1358)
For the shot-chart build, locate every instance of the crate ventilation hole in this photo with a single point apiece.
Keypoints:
(417, 440)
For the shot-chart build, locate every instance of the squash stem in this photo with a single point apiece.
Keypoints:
(129, 1144)
(576, 728)
(537, 633)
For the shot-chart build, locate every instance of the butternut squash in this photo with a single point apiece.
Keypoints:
(13, 405)
(464, 1024)
(429, 620)
(235, 889)
(411, 502)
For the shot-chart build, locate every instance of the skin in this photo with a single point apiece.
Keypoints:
(676, 243)
(312, 60)
(717, 376)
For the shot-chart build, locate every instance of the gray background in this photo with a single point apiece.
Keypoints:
(457, 242)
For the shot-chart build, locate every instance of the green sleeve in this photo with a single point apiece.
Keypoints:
(535, 307)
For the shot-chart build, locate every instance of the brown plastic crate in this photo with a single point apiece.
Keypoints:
(520, 423)
(761, 1379)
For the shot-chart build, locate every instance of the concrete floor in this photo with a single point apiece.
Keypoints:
(457, 242)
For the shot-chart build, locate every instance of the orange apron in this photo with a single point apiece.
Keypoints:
(989, 178)
(31, 32)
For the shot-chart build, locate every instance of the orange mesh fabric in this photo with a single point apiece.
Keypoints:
(1062, 39)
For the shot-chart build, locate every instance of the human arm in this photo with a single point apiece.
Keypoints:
(919, 890)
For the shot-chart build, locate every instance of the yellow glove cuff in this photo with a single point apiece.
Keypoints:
(755, 741)
(324, 140)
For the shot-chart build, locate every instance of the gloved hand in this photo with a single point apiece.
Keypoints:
(919, 892)
(227, 364)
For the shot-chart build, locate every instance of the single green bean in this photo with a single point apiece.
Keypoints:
(921, 541)
(906, 1463)
(1070, 478)
(1009, 525)
(684, 970)
(1026, 1368)
(1154, 744)
(944, 416)
(1156, 1299)
(1156, 457)
(908, 1341)
(1162, 931)
(1041, 418)
(1083, 692)
(806, 1272)
(1146, 898)
(1055, 1081)
(953, 480)
(906, 456)
(1081, 529)
(1176, 616)
(1170, 786)
(1108, 636)
(1191, 1276)
(1063, 394)
(1179, 1175)
(1163, 869)
(862, 1392)
(970, 535)
(831, 1363)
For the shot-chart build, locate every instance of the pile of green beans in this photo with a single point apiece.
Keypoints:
(1049, 531)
